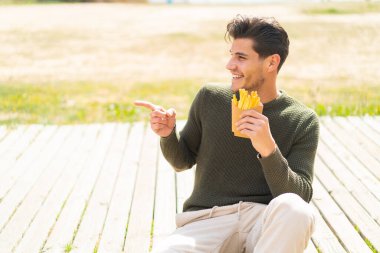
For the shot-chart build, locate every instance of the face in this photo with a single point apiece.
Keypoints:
(245, 66)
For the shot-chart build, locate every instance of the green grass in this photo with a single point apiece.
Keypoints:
(73, 103)
(68, 248)
(151, 236)
(342, 8)
(368, 242)
(61, 104)
(70, 103)
(339, 100)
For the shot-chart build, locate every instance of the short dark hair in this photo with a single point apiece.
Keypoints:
(267, 34)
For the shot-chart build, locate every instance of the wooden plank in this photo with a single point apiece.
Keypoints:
(9, 169)
(184, 179)
(370, 162)
(338, 222)
(29, 198)
(347, 182)
(38, 231)
(3, 132)
(324, 239)
(93, 221)
(140, 223)
(165, 201)
(346, 176)
(113, 235)
(10, 155)
(310, 248)
(12, 137)
(9, 145)
(355, 212)
(366, 143)
(365, 129)
(27, 210)
(185, 184)
(372, 122)
(28, 163)
(351, 162)
(64, 231)
(25, 161)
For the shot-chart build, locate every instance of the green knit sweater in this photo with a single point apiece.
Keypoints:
(228, 168)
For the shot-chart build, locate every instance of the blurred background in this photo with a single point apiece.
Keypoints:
(69, 62)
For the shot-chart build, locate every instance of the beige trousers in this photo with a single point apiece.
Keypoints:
(285, 225)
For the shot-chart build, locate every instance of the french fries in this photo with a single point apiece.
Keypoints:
(246, 101)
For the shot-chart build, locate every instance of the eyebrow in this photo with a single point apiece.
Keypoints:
(239, 53)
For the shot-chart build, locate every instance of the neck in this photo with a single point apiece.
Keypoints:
(268, 92)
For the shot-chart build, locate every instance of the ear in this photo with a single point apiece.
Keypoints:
(272, 62)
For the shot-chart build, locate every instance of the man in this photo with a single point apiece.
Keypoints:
(250, 195)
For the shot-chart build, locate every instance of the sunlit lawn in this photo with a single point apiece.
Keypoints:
(74, 71)
(86, 103)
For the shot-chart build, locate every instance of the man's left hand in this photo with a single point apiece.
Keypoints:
(256, 127)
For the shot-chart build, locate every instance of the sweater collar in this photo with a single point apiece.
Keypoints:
(275, 101)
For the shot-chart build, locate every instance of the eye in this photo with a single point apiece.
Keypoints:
(242, 57)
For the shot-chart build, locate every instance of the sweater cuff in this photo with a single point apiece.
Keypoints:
(274, 160)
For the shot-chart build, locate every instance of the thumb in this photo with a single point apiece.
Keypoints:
(171, 113)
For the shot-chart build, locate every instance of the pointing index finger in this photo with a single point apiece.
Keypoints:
(147, 104)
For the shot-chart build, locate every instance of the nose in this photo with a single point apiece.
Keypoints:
(230, 65)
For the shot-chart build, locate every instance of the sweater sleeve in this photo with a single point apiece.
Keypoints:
(181, 150)
(295, 172)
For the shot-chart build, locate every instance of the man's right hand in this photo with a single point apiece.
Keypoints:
(162, 121)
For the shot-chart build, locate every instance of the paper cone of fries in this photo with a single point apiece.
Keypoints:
(246, 102)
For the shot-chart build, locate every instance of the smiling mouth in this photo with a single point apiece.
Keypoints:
(237, 76)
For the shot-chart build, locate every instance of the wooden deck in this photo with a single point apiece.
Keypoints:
(100, 187)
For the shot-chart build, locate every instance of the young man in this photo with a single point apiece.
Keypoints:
(250, 195)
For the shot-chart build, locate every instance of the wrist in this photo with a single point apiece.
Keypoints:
(171, 132)
(269, 151)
